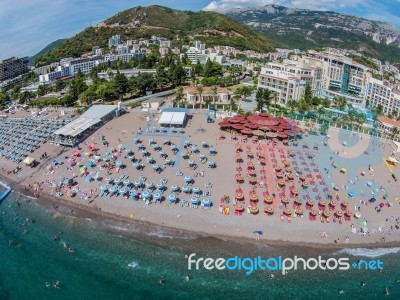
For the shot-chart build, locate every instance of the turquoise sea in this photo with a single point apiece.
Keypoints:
(108, 265)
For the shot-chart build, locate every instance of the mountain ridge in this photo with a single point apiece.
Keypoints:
(180, 26)
(307, 29)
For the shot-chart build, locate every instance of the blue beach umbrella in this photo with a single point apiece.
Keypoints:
(172, 198)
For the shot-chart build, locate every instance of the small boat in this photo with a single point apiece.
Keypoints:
(5, 194)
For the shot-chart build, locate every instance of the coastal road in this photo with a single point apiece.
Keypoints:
(140, 99)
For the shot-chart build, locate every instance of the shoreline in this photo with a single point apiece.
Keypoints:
(146, 231)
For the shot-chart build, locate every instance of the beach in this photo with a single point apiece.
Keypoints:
(123, 255)
(210, 222)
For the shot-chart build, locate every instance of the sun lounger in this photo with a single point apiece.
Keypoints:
(282, 218)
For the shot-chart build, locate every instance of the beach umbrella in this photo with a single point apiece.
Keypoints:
(174, 188)
(259, 232)
(188, 178)
(172, 198)
(159, 186)
(196, 190)
(127, 182)
(206, 202)
(194, 200)
(145, 195)
(149, 185)
(29, 160)
(258, 132)
(155, 167)
(351, 194)
(157, 196)
(246, 131)
(372, 200)
(211, 163)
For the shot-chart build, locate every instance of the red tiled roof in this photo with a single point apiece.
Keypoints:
(384, 119)
(206, 90)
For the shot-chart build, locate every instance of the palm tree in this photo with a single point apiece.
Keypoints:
(393, 133)
(340, 102)
(214, 92)
(292, 105)
(178, 94)
(200, 91)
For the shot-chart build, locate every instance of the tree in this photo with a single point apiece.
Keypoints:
(76, 87)
(340, 102)
(379, 110)
(178, 94)
(120, 84)
(41, 90)
(308, 94)
(214, 93)
(161, 77)
(4, 97)
(259, 99)
(393, 133)
(198, 68)
(200, 91)
(292, 105)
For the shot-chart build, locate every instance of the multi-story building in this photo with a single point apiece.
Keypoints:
(383, 93)
(137, 55)
(163, 51)
(60, 72)
(287, 86)
(344, 77)
(85, 65)
(195, 55)
(69, 67)
(122, 49)
(165, 43)
(12, 67)
(115, 40)
(386, 126)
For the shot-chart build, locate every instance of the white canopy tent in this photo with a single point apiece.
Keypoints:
(172, 118)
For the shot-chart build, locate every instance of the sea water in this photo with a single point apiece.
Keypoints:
(107, 265)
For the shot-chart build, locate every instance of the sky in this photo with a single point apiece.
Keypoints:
(27, 26)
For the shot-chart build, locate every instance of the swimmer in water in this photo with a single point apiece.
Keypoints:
(271, 276)
(47, 284)
(187, 278)
(363, 284)
(387, 293)
(341, 292)
(56, 285)
(162, 281)
(70, 250)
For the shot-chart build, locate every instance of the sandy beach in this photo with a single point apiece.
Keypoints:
(361, 154)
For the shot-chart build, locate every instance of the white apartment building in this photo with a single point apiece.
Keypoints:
(380, 92)
(85, 65)
(214, 56)
(115, 40)
(59, 72)
(163, 51)
(69, 67)
(307, 69)
(137, 55)
(286, 85)
(165, 43)
(122, 49)
(195, 55)
(344, 77)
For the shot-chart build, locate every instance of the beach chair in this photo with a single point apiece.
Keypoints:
(282, 218)
(289, 218)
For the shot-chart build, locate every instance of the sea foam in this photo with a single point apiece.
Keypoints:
(364, 252)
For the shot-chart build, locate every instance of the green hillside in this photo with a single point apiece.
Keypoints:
(143, 22)
(46, 50)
